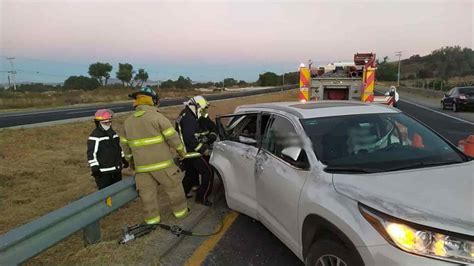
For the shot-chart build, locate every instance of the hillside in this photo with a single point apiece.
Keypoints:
(442, 64)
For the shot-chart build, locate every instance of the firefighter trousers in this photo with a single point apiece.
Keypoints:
(170, 179)
(106, 179)
(195, 167)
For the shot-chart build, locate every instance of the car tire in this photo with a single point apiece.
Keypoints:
(331, 252)
(443, 106)
(455, 108)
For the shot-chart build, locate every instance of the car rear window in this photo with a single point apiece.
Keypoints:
(466, 90)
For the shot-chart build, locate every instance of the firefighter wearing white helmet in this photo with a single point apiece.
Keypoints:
(393, 92)
(195, 161)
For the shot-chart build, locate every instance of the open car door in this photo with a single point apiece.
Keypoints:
(234, 157)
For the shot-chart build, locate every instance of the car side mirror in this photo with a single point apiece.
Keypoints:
(292, 153)
(247, 140)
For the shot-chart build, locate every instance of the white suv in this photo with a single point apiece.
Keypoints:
(349, 183)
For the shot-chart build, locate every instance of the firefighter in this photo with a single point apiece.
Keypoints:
(207, 134)
(106, 158)
(393, 93)
(207, 129)
(149, 142)
(195, 164)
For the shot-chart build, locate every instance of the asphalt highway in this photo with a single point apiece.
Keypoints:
(12, 119)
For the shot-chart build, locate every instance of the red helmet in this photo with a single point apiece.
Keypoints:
(103, 115)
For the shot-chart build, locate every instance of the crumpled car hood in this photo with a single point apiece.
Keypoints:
(440, 197)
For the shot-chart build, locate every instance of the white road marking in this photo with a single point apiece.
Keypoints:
(438, 112)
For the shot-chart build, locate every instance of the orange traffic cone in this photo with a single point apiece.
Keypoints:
(417, 141)
(469, 146)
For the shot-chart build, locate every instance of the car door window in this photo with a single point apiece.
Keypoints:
(282, 134)
(240, 128)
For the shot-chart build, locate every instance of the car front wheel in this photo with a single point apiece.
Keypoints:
(455, 108)
(332, 252)
(443, 106)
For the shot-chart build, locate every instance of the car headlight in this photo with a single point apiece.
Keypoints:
(419, 239)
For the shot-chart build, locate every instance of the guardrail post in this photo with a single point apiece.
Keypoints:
(91, 233)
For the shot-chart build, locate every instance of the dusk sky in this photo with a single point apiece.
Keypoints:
(216, 39)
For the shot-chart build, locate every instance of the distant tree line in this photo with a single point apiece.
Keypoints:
(444, 63)
(272, 79)
(186, 83)
(100, 74)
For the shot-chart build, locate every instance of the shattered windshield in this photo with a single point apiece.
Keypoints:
(377, 143)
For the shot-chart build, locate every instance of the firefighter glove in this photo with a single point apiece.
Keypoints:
(125, 163)
(95, 172)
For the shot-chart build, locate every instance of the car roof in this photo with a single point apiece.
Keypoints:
(466, 87)
(320, 108)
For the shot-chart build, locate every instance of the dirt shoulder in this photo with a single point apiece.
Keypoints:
(43, 169)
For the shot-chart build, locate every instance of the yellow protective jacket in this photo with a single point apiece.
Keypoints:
(149, 139)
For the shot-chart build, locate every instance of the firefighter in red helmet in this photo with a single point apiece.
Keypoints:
(104, 154)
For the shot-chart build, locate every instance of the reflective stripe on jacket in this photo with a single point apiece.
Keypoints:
(103, 151)
(149, 140)
(188, 127)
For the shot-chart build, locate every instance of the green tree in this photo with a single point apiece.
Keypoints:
(386, 70)
(167, 84)
(229, 82)
(242, 83)
(183, 83)
(292, 78)
(125, 73)
(141, 77)
(81, 83)
(100, 71)
(269, 79)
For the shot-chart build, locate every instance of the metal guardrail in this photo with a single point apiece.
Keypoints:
(27, 241)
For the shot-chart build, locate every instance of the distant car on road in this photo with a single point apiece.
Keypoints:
(349, 183)
(459, 98)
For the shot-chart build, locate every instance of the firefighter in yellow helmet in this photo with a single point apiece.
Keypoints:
(149, 139)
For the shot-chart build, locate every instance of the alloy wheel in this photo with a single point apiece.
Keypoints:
(330, 260)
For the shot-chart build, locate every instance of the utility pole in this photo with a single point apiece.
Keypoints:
(283, 79)
(399, 54)
(12, 72)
